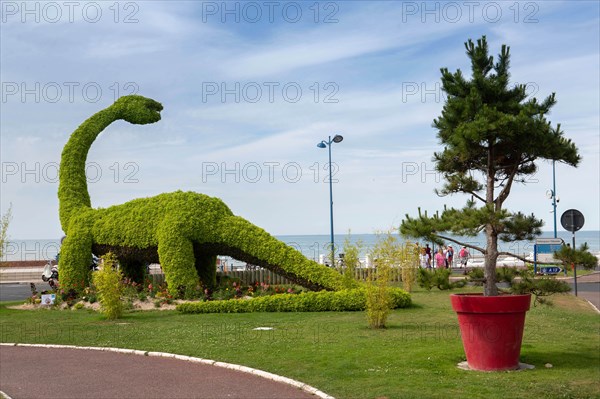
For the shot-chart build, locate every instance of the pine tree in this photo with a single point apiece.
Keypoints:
(576, 257)
(492, 134)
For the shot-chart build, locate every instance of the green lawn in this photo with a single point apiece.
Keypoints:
(336, 352)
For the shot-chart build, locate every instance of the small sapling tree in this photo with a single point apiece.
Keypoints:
(351, 261)
(109, 284)
(4, 222)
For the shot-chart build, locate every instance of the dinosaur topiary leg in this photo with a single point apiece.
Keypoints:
(176, 255)
(75, 258)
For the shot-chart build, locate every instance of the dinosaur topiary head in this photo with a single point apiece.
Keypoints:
(138, 109)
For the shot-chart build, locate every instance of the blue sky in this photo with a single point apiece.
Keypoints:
(248, 96)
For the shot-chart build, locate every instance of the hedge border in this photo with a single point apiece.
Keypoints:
(322, 301)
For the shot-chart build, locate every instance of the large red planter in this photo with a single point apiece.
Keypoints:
(492, 329)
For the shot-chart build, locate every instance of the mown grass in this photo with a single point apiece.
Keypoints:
(415, 357)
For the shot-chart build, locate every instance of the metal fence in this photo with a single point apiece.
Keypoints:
(248, 277)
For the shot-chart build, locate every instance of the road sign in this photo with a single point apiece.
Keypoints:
(572, 220)
(545, 247)
(550, 270)
(549, 241)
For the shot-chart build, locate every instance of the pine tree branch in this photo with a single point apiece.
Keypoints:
(464, 244)
(506, 190)
(509, 179)
(480, 198)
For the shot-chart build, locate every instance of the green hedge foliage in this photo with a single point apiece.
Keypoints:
(184, 231)
(322, 301)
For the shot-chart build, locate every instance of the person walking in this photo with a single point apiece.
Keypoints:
(440, 260)
(445, 253)
(449, 257)
(423, 258)
(428, 256)
(463, 256)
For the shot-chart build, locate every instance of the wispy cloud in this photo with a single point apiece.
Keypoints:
(381, 61)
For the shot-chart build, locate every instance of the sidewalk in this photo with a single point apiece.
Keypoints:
(31, 274)
(39, 372)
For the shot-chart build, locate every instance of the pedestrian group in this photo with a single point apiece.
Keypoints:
(443, 258)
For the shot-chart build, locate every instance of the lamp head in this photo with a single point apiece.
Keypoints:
(337, 138)
(322, 145)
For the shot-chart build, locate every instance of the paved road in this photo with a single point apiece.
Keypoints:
(29, 372)
(19, 291)
(588, 288)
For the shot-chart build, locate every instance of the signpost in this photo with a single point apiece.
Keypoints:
(550, 270)
(543, 251)
(572, 220)
(48, 299)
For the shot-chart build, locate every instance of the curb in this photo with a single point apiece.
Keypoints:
(260, 373)
(4, 395)
(578, 277)
(593, 306)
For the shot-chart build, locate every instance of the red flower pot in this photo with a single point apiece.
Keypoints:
(491, 328)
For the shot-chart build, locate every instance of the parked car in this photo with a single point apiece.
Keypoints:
(510, 261)
(475, 262)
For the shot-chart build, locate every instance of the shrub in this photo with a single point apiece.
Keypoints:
(109, 286)
(351, 260)
(522, 281)
(538, 287)
(322, 301)
(378, 298)
(409, 261)
(386, 252)
(580, 257)
(506, 274)
(439, 278)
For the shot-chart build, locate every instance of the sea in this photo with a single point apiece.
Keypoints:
(315, 247)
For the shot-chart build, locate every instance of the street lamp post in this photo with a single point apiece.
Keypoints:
(327, 144)
(554, 194)
(551, 194)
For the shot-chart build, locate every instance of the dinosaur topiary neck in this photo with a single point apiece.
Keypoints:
(72, 187)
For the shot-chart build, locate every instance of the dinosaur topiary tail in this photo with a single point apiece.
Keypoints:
(247, 242)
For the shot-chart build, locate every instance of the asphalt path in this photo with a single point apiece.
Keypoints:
(34, 372)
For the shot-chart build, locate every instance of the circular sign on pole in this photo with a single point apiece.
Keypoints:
(572, 220)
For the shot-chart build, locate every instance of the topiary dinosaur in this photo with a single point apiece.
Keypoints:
(183, 231)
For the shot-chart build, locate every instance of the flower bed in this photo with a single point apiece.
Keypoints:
(231, 297)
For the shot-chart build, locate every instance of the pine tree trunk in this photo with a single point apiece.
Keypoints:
(491, 250)
(491, 256)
